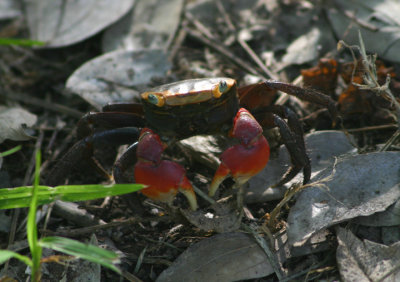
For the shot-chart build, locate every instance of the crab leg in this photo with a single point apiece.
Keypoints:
(164, 178)
(244, 160)
(83, 151)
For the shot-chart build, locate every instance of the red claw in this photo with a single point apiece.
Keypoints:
(164, 178)
(244, 160)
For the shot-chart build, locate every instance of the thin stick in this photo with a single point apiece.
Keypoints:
(225, 52)
(43, 104)
(370, 128)
(256, 59)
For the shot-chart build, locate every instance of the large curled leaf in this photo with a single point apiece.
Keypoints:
(223, 257)
(117, 76)
(355, 186)
(60, 23)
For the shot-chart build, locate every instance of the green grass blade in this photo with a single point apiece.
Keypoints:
(31, 228)
(5, 255)
(85, 251)
(20, 42)
(11, 151)
(20, 197)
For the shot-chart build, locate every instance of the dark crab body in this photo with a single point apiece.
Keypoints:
(186, 108)
(191, 107)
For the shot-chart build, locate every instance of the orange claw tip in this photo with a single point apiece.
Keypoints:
(191, 197)
(241, 162)
(220, 175)
(163, 181)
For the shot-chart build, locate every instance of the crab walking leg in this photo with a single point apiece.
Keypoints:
(163, 178)
(244, 160)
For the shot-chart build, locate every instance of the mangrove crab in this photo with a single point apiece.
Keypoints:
(182, 109)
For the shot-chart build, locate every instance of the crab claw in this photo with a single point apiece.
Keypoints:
(163, 178)
(244, 160)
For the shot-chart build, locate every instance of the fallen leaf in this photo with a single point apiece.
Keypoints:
(304, 49)
(60, 23)
(145, 27)
(223, 257)
(117, 76)
(13, 122)
(377, 20)
(321, 152)
(389, 217)
(355, 186)
(365, 260)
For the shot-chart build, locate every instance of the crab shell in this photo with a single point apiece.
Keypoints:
(191, 107)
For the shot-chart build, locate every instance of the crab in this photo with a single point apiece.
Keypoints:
(182, 109)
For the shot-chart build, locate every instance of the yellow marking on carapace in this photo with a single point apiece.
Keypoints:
(189, 92)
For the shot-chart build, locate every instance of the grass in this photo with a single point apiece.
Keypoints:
(32, 196)
(20, 42)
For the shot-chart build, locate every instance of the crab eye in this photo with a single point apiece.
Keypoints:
(220, 89)
(223, 86)
(155, 100)
(152, 99)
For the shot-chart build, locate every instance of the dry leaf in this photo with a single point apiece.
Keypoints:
(355, 186)
(60, 23)
(13, 122)
(365, 260)
(145, 27)
(223, 257)
(321, 152)
(117, 76)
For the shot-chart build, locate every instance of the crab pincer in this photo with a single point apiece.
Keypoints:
(246, 159)
(164, 179)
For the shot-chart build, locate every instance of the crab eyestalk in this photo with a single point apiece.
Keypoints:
(164, 179)
(244, 160)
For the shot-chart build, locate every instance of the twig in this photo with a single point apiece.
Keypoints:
(370, 128)
(43, 104)
(256, 59)
(392, 139)
(224, 51)
(225, 15)
(306, 271)
(91, 229)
